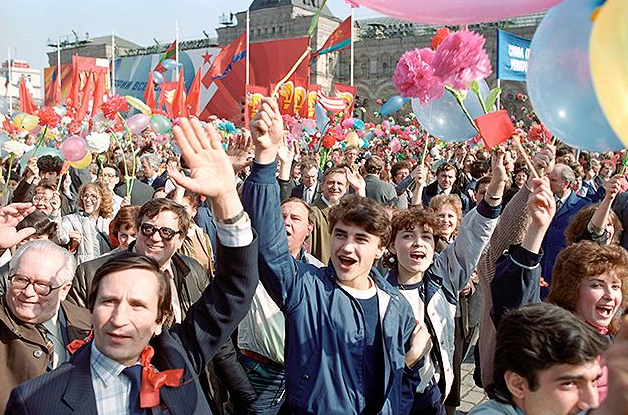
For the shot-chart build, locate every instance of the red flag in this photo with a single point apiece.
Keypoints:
(149, 92)
(26, 100)
(231, 54)
(170, 53)
(347, 93)
(495, 127)
(99, 92)
(178, 102)
(87, 94)
(193, 100)
(334, 105)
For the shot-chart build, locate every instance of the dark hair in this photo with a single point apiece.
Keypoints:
(126, 216)
(479, 168)
(154, 207)
(373, 165)
(128, 261)
(38, 220)
(307, 164)
(49, 163)
(110, 166)
(538, 336)
(408, 219)
(363, 212)
(483, 180)
(310, 212)
(578, 262)
(446, 166)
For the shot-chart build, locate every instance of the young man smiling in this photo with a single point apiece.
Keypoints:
(349, 334)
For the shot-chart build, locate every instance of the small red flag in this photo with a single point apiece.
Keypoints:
(26, 100)
(193, 100)
(87, 94)
(232, 53)
(178, 102)
(149, 92)
(495, 127)
(170, 53)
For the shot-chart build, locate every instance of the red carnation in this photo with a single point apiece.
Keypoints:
(329, 140)
(114, 105)
(9, 127)
(48, 117)
(440, 35)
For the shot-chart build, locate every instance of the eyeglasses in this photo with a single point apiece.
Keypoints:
(40, 198)
(20, 283)
(166, 234)
(93, 198)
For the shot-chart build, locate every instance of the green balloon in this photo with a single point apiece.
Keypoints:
(160, 124)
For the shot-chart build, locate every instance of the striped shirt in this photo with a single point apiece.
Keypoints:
(111, 387)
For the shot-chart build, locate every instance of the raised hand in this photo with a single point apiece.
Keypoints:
(10, 216)
(267, 131)
(211, 173)
(356, 181)
(544, 160)
(541, 203)
(286, 151)
(239, 151)
(613, 186)
(419, 174)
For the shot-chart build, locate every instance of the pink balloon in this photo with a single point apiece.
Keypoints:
(456, 12)
(138, 123)
(74, 148)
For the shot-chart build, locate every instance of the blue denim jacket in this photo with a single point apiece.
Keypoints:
(325, 334)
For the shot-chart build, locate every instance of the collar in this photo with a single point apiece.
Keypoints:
(564, 199)
(325, 200)
(360, 294)
(52, 324)
(103, 367)
(443, 191)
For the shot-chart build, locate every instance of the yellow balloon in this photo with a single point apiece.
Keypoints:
(138, 104)
(26, 121)
(352, 139)
(608, 54)
(82, 163)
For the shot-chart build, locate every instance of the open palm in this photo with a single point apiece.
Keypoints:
(211, 173)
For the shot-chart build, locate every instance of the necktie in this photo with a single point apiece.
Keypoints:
(49, 345)
(134, 373)
(559, 204)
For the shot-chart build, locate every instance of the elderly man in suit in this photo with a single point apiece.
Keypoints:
(380, 191)
(128, 314)
(36, 324)
(568, 204)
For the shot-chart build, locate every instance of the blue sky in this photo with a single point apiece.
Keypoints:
(27, 25)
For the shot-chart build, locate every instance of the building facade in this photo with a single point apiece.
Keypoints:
(10, 73)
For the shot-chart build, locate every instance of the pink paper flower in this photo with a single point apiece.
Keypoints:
(414, 76)
(461, 59)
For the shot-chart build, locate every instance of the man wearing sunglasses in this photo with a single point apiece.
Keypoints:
(36, 324)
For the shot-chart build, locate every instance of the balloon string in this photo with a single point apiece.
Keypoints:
(424, 154)
(624, 164)
(290, 72)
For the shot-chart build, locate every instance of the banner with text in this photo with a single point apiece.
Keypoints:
(512, 56)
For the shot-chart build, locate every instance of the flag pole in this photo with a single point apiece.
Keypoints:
(176, 48)
(351, 83)
(59, 63)
(10, 80)
(248, 27)
(113, 64)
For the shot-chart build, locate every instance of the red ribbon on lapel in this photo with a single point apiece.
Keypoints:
(77, 343)
(152, 380)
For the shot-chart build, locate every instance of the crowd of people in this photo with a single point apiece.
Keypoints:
(261, 279)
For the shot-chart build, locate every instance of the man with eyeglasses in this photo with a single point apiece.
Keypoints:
(36, 324)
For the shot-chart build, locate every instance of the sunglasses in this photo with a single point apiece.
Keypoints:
(166, 234)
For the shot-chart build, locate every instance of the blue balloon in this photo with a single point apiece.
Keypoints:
(444, 119)
(322, 119)
(358, 124)
(393, 105)
(41, 151)
(559, 79)
(170, 64)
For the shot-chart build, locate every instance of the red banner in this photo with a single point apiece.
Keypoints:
(269, 61)
(347, 93)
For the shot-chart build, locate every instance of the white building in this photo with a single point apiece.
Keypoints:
(10, 90)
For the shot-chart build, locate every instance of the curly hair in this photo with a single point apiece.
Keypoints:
(578, 224)
(106, 198)
(452, 200)
(583, 260)
(408, 219)
(363, 212)
(49, 163)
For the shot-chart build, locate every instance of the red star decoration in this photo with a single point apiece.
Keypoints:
(206, 57)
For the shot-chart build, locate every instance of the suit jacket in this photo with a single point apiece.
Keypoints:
(620, 207)
(319, 241)
(286, 187)
(23, 352)
(554, 240)
(431, 190)
(158, 183)
(380, 191)
(297, 191)
(189, 345)
(140, 194)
